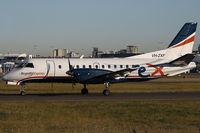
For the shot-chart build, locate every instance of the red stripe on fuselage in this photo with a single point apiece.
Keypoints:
(42, 77)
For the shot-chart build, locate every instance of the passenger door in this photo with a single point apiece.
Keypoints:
(50, 68)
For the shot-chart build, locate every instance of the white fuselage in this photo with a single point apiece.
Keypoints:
(54, 69)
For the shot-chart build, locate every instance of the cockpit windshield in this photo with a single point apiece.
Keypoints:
(20, 65)
(25, 64)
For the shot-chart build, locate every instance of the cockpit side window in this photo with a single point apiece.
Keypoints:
(30, 65)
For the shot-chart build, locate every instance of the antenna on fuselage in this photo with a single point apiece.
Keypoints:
(82, 56)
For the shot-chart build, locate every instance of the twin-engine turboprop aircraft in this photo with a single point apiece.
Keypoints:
(171, 61)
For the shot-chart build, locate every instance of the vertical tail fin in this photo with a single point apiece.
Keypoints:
(183, 43)
(185, 35)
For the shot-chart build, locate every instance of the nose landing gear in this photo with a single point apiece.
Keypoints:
(22, 91)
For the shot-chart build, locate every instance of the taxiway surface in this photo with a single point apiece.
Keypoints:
(100, 97)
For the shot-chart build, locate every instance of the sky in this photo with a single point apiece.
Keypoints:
(39, 26)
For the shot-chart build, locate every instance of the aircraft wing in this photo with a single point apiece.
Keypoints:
(109, 76)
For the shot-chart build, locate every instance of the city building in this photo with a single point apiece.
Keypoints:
(129, 51)
(122, 51)
(73, 54)
(95, 52)
(132, 49)
(8, 61)
(60, 53)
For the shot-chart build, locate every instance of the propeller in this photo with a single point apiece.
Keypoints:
(71, 72)
(71, 68)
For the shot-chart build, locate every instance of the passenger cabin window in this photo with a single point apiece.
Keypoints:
(121, 66)
(109, 66)
(83, 66)
(103, 66)
(133, 66)
(77, 66)
(59, 66)
(90, 66)
(115, 66)
(96, 66)
(30, 65)
(126, 66)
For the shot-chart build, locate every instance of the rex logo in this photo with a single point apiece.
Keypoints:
(157, 70)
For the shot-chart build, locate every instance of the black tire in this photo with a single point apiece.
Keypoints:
(106, 92)
(22, 93)
(84, 91)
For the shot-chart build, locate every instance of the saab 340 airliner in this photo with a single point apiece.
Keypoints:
(171, 61)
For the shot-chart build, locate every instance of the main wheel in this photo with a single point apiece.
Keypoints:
(106, 92)
(84, 91)
(22, 93)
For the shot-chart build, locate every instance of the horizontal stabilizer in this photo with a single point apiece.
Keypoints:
(183, 60)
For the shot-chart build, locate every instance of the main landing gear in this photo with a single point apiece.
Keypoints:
(84, 91)
(106, 92)
(22, 91)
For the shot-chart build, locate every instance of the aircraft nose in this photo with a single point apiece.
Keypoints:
(4, 77)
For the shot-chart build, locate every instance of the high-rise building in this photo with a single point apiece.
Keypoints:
(132, 49)
(59, 53)
(95, 52)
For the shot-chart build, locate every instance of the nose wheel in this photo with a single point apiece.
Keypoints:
(22, 93)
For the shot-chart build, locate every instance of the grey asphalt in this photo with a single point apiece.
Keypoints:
(162, 96)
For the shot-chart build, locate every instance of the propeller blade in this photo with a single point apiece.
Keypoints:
(71, 68)
(71, 72)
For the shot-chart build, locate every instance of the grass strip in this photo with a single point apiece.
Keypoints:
(98, 117)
